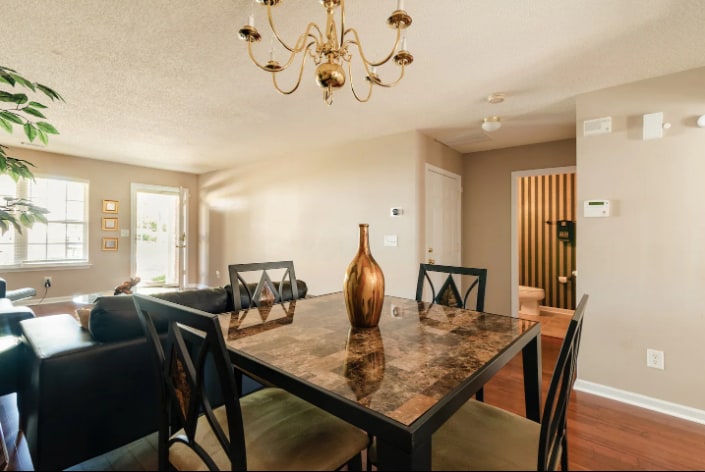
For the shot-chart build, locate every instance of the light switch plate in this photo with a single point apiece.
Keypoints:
(390, 240)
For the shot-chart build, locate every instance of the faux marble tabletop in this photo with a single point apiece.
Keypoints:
(417, 354)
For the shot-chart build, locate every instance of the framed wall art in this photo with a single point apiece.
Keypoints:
(110, 206)
(110, 224)
(110, 244)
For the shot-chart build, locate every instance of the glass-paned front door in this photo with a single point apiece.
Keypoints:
(159, 240)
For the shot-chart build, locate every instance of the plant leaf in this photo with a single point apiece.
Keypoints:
(36, 105)
(11, 117)
(6, 125)
(24, 82)
(31, 111)
(7, 79)
(30, 131)
(43, 136)
(26, 220)
(46, 127)
(20, 98)
(49, 92)
(6, 96)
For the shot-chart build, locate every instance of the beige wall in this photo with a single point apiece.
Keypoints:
(644, 267)
(106, 181)
(486, 221)
(307, 209)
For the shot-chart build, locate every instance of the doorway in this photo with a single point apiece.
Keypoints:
(543, 204)
(159, 229)
(443, 210)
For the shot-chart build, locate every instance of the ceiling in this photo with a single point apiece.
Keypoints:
(168, 84)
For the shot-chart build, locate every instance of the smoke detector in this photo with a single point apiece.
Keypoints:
(495, 98)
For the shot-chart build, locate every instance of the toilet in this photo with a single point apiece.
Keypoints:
(529, 298)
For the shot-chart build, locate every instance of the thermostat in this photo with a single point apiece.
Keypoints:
(596, 208)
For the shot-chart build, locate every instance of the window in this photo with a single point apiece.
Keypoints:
(64, 239)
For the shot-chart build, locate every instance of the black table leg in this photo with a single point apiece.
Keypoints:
(531, 357)
(391, 457)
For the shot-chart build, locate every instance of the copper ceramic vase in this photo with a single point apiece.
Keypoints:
(363, 286)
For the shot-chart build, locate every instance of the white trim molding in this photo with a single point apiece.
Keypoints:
(636, 399)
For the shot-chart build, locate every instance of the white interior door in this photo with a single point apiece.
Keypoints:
(443, 198)
(159, 235)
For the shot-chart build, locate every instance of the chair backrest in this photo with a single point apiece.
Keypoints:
(265, 291)
(552, 441)
(181, 369)
(448, 294)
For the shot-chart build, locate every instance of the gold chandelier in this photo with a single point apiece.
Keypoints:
(329, 53)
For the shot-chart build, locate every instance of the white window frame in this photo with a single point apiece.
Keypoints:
(23, 189)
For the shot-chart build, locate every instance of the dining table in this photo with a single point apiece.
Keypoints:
(399, 381)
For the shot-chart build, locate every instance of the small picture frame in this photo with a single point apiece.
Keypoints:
(110, 224)
(110, 206)
(110, 244)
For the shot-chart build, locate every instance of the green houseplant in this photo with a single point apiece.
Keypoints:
(17, 109)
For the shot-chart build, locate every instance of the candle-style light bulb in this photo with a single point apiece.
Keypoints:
(400, 4)
(403, 43)
(251, 20)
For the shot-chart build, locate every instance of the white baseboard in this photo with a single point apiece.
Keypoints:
(636, 399)
(46, 301)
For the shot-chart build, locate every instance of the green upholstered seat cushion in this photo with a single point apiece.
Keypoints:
(483, 437)
(282, 432)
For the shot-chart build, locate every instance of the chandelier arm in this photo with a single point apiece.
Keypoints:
(305, 51)
(391, 84)
(352, 87)
(298, 81)
(301, 39)
(356, 42)
(281, 68)
(252, 58)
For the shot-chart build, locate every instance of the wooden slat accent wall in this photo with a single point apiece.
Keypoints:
(542, 257)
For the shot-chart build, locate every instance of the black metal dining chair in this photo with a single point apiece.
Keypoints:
(265, 290)
(483, 437)
(449, 294)
(269, 429)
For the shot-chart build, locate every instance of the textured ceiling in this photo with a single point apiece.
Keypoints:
(168, 84)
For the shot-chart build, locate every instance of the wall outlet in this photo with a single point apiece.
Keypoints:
(654, 359)
(47, 282)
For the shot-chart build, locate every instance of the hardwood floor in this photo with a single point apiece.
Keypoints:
(602, 434)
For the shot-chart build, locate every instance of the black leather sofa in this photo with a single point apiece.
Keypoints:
(11, 346)
(16, 294)
(88, 391)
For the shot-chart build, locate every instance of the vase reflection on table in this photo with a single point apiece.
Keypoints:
(364, 362)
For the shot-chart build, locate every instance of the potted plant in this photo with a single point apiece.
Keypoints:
(16, 108)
